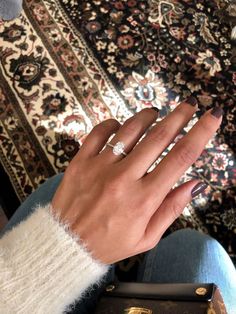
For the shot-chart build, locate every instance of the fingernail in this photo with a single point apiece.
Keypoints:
(191, 101)
(217, 112)
(156, 109)
(199, 188)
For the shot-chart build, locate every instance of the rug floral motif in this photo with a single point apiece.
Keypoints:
(67, 65)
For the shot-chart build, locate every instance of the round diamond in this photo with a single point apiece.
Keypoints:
(118, 149)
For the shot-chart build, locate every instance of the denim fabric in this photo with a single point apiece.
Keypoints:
(186, 256)
(10, 9)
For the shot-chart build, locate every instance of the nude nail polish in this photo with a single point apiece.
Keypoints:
(198, 188)
(217, 112)
(191, 101)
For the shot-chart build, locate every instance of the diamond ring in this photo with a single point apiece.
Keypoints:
(118, 148)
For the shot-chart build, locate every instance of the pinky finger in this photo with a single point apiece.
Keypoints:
(98, 137)
(170, 209)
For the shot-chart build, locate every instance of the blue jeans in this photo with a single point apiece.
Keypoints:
(185, 256)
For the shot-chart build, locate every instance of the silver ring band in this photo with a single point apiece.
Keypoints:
(118, 148)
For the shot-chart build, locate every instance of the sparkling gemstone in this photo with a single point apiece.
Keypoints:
(118, 148)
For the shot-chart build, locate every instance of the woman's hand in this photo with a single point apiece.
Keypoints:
(111, 202)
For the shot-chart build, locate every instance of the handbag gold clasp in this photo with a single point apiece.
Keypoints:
(137, 310)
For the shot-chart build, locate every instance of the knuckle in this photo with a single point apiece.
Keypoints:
(173, 206)
(159, 133)
(186, 155)
(102, 127)
(102, 131)
(132, 125)
(176, 209)
(206, 127)
(112, 122)
(98, 127)
(149, 111)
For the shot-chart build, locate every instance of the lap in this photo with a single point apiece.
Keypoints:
(184, 256)
(188, 256)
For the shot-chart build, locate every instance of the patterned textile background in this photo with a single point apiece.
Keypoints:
(66, 65)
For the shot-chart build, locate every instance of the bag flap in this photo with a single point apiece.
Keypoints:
(181, 292)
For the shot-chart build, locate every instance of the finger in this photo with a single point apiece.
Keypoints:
(131, 132)
(160, 136)
(170, 209)
(98, 137)
(184, 153)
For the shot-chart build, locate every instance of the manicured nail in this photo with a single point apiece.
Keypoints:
(199, 188)
(191, 101)
(217, 112)
(156, 109)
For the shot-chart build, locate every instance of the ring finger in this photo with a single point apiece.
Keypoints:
(130, 133)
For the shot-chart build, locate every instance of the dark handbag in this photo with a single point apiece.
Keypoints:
(151, 298)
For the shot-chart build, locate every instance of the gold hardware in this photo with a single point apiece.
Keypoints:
(110, 288)
(211, 310)
(201, 291)
(137, 310)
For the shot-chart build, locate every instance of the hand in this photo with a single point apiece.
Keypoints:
(111, 202)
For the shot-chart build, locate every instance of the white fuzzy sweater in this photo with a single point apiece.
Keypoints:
(43, 269)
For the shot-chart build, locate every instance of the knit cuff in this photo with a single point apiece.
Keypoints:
(42, 265)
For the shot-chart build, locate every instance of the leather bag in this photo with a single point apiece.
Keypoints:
(151, 298)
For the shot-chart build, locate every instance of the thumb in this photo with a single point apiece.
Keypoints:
(170, 209)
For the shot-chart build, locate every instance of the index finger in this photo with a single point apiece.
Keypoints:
(184, 153)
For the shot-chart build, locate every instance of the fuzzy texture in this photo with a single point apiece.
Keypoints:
(43, 267)
(10, 9)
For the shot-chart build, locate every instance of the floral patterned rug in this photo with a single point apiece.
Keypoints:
(66, 65)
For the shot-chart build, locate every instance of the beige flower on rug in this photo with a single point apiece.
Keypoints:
(71, 2)
(164, 12)
(220, 162)
(148, 90)
(210, 62)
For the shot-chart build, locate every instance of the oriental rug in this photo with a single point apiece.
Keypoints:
(67, 65)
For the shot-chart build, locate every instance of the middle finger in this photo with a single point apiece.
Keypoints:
(151, 147)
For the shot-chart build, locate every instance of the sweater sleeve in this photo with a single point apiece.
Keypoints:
(43, 267)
